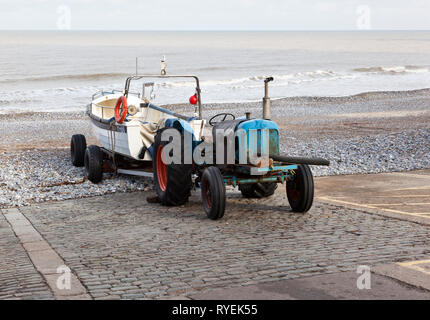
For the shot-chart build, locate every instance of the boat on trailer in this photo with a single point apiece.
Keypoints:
(129, 128)
(125, 127)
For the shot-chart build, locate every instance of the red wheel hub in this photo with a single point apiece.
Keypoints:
(161, 170)
(207, 194)
(294, 190)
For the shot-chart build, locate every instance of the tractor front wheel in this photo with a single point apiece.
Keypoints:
(300, 191)
(213, 193)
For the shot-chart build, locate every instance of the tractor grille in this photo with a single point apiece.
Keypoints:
(273, 142)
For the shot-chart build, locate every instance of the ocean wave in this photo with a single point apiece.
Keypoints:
(300, 76)
(45, 97)
(178, 84)
(233, 89)
(211, 68)
(393, 70)
(89, 76)
(19, 100)
(294, 82)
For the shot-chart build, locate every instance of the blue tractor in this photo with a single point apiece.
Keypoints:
(174, 182)
(129, 129)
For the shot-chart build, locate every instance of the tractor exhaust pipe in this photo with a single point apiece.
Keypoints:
(301, 160)
(266, 99)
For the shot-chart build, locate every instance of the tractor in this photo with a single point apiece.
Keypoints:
(240, 152)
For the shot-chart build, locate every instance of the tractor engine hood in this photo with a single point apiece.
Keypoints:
(260, 124)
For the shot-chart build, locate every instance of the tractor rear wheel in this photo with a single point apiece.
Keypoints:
(300, 191)
(213, 193)
(93, 161)
(172, 182)
(78, 144)
(258, 190)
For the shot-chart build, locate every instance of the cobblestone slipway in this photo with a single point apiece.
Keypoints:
(122, 247)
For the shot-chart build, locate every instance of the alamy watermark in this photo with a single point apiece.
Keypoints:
(64, 280)
(64, 17)
(364, 278)
(229, 147)
(363, 21)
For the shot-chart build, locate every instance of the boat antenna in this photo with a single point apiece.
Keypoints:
(163, 66)
(137, 65)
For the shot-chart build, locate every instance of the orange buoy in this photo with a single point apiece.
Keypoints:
(121, 109)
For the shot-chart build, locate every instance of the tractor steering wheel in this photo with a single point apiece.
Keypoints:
(212, 122)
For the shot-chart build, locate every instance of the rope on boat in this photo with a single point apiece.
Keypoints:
(112, 142)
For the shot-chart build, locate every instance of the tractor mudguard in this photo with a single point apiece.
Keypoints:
(179, 124)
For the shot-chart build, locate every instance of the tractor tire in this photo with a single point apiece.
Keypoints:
(213, 193)
(172, 182)
(300, 191)
(94, 163)
(78, 144)
(258, 190)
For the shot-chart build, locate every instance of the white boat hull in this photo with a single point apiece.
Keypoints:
(126, 138)
(126, 142)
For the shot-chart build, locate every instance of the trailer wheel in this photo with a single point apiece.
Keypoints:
(94, 163)
(213, 193)
(78, 144)
(300, 191)
(172, 182)
(258, 190)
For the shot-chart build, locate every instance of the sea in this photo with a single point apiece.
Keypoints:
(60, 70)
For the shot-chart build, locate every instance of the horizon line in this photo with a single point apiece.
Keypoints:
(218, 30)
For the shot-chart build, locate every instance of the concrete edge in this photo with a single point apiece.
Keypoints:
(382, 213)
(404, 274)
(44, 258)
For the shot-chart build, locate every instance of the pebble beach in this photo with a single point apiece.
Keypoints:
(364, 133)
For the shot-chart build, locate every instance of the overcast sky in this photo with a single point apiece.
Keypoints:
(214, 14)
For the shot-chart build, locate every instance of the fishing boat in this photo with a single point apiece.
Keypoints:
(125, 123)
